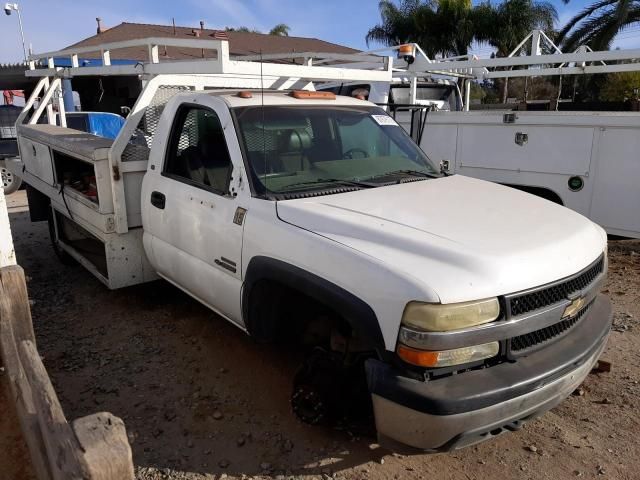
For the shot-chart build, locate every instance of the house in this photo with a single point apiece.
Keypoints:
(240, 43)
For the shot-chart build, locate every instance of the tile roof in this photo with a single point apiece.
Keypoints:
(240, 43)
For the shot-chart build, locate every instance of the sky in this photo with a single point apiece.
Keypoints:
(54, 24)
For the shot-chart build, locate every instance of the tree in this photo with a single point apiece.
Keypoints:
(449, 27)
(619, 87)
(505, 25)
(242, 29)
(398, 23)
(446, 27)
(280, 30)
(599, 23)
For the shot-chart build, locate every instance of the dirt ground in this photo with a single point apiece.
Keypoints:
(202, 400)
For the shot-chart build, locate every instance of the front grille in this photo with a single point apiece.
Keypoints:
(555, 293)
(527, 341)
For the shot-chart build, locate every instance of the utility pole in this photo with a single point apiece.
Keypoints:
(13, 7)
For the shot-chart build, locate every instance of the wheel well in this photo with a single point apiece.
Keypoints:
(538, 192)
(278, 312)
(281, 301)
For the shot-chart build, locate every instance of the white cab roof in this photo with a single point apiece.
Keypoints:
(281, 98)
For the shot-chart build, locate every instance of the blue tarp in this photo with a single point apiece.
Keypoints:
(93, 62)
(103, 124)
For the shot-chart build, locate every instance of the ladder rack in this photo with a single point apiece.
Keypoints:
(219, 63)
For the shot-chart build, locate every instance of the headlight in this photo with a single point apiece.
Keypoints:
(432, 317)
(447, 358)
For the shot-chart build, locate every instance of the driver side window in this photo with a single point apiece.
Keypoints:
(197, 153)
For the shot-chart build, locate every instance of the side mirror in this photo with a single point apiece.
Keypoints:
(444, 166)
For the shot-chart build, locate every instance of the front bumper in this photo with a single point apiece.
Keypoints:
(461, 410)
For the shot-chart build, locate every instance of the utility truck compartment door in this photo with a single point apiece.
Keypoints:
(616, 192)
(37, 159)
(534, 143)
(533, 148)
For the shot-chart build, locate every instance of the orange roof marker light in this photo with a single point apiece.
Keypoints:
(245, 94)
(308, 95)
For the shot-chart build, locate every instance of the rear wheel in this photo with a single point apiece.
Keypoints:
(10, 183)
(62, 255)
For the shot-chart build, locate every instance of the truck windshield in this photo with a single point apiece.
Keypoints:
(292, 149)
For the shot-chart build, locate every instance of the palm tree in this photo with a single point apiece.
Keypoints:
(441, 27)
(505, 25)
(398, 23)
(599, 23)
(280, 30)
(449, 27)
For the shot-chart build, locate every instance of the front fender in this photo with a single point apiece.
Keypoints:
(355, 311)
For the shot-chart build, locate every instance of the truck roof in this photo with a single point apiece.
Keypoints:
(279, 97)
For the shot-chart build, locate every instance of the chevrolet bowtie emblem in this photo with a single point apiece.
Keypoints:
(574, 307)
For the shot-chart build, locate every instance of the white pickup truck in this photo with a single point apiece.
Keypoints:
(305, 217)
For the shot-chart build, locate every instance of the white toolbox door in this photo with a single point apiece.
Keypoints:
(547, 149)
(616, 191)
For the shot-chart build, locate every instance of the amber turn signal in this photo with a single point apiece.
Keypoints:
(447, 358)
(420, 358)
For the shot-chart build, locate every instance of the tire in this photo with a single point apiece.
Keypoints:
(63, 256)
(10, 182)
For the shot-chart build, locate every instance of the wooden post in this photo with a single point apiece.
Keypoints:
(15, 324)
(7, 253)
(63, 450)
(95, 447)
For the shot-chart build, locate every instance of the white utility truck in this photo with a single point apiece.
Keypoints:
(301, 216)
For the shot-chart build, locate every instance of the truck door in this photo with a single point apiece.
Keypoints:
(192, 233)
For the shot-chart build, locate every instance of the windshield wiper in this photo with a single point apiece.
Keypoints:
(395, 173)
(417, 173)
(321, 181)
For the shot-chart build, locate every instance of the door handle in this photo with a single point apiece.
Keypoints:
(158, 200)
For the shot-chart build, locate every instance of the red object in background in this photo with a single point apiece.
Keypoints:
(9, 94)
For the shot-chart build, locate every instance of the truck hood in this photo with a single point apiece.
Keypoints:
(462, 238)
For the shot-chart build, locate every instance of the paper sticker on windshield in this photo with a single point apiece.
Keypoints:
(384, 120)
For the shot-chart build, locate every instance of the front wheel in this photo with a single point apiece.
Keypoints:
(10, 183)
(326, 391)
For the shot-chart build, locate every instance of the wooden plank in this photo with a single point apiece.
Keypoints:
(107, 452)
(14, 311)
(63, 450)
